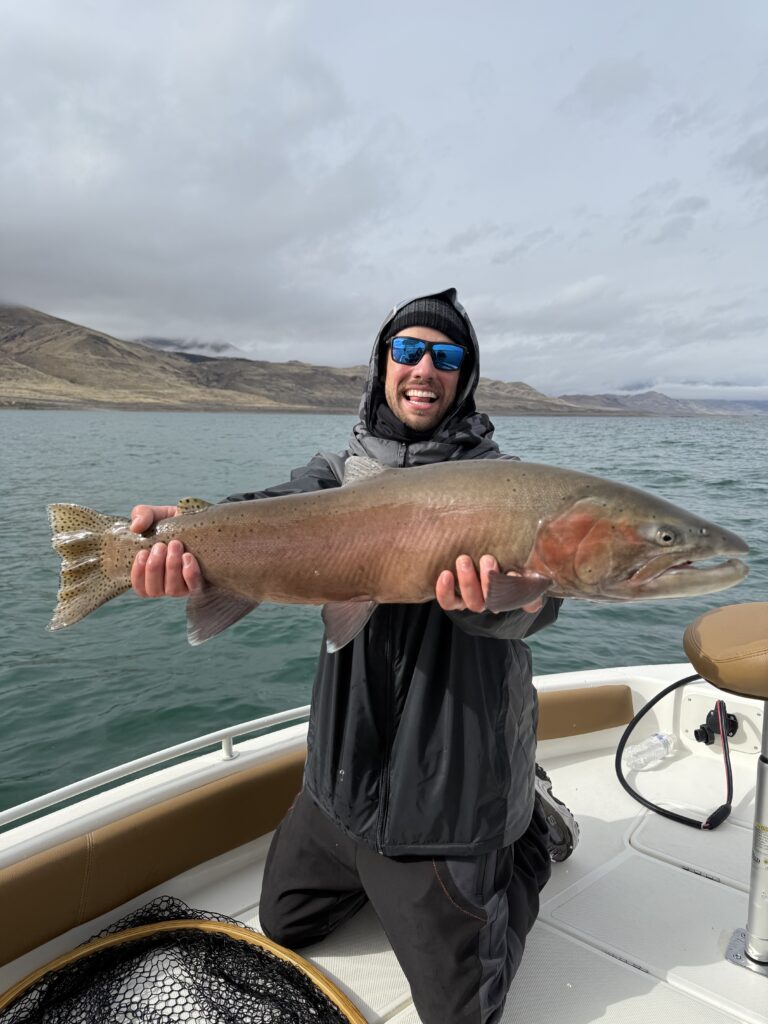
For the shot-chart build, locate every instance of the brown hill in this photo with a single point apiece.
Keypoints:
(46, 362)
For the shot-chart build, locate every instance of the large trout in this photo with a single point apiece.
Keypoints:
(385, 536)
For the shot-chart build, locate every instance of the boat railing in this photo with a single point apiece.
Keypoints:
(223, 737)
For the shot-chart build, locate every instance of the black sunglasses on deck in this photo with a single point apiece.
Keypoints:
(446, 355)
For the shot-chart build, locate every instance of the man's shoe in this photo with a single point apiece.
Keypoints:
(563, 827)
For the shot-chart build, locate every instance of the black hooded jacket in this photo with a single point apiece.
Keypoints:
(422, 734)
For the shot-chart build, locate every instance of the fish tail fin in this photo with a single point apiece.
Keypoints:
(79, 536)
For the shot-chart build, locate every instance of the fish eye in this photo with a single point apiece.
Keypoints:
(665, 536)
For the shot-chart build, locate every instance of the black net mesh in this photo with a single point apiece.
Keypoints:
(186, 975)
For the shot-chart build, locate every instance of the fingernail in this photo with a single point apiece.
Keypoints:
(157, 549)
(186, 560)
(465, 562)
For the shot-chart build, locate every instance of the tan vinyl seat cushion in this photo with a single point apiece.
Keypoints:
(729, 648)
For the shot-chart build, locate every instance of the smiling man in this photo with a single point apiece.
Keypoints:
(421, 794)
(421, 379)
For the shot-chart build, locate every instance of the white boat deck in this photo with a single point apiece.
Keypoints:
(633, 928)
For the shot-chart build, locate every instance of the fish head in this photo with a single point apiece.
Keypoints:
(626, 545)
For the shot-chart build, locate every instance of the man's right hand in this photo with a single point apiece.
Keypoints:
(165, 570)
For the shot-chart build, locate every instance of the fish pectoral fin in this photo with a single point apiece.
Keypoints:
(508, 592)
(212, 610)
(344, 620)
(186, 505)
(362, 467)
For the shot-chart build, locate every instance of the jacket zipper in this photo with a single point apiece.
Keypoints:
(388, 711)
(384, 784)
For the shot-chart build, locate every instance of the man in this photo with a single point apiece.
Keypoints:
(420, 792)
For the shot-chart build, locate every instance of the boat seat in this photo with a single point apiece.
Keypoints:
(729, 648)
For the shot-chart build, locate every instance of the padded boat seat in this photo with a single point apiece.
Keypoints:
(729, 648)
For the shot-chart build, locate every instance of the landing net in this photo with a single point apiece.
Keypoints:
(167, 964)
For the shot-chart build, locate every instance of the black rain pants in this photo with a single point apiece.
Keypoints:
(456, 924)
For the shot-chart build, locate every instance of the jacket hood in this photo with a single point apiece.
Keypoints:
(463, 407)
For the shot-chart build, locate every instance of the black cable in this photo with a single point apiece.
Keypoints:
(717, 817)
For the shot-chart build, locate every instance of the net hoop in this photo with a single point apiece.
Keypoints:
(316, 976)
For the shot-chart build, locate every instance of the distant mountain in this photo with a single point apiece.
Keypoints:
(733, 408)
(655, 403)
(48, 363)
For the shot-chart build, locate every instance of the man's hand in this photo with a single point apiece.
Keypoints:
(472, 586)
(165, 570)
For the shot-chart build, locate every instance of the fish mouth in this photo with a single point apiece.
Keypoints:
(671, 576)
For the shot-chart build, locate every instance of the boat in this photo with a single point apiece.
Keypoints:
(646, 921)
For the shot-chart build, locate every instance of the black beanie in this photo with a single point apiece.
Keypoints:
(436, 313)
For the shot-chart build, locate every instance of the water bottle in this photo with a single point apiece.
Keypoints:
(649, 752)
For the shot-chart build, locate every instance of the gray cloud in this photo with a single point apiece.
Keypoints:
(674, 228)
(266, 176)
(205, 348)
(471, 236)
(689, 204)
(191, 179)
(751, 157)
(656, 216)
(680, 119)
(657, 339)
(530, 241)
(608, 87)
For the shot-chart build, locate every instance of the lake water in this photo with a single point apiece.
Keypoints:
(125, 682)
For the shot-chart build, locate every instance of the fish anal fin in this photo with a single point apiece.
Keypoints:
(212, 610)
(343, 620)
(508, 592)
(362, 467)
(187, 505)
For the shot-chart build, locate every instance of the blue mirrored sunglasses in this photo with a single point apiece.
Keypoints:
(445, 354)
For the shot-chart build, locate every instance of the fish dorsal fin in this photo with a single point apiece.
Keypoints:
(508, 592)
(362, 467)
(343, 621)
(187, 505)
(212, 610)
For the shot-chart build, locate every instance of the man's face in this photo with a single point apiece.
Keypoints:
(420, 396)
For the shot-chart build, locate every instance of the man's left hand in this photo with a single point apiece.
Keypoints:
(468, 588)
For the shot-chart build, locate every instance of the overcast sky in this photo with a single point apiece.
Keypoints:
(592, 177)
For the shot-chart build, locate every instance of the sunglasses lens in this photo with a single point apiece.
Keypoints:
(447, 357)
(410, 351)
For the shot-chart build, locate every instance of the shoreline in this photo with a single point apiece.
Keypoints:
(31, 406)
